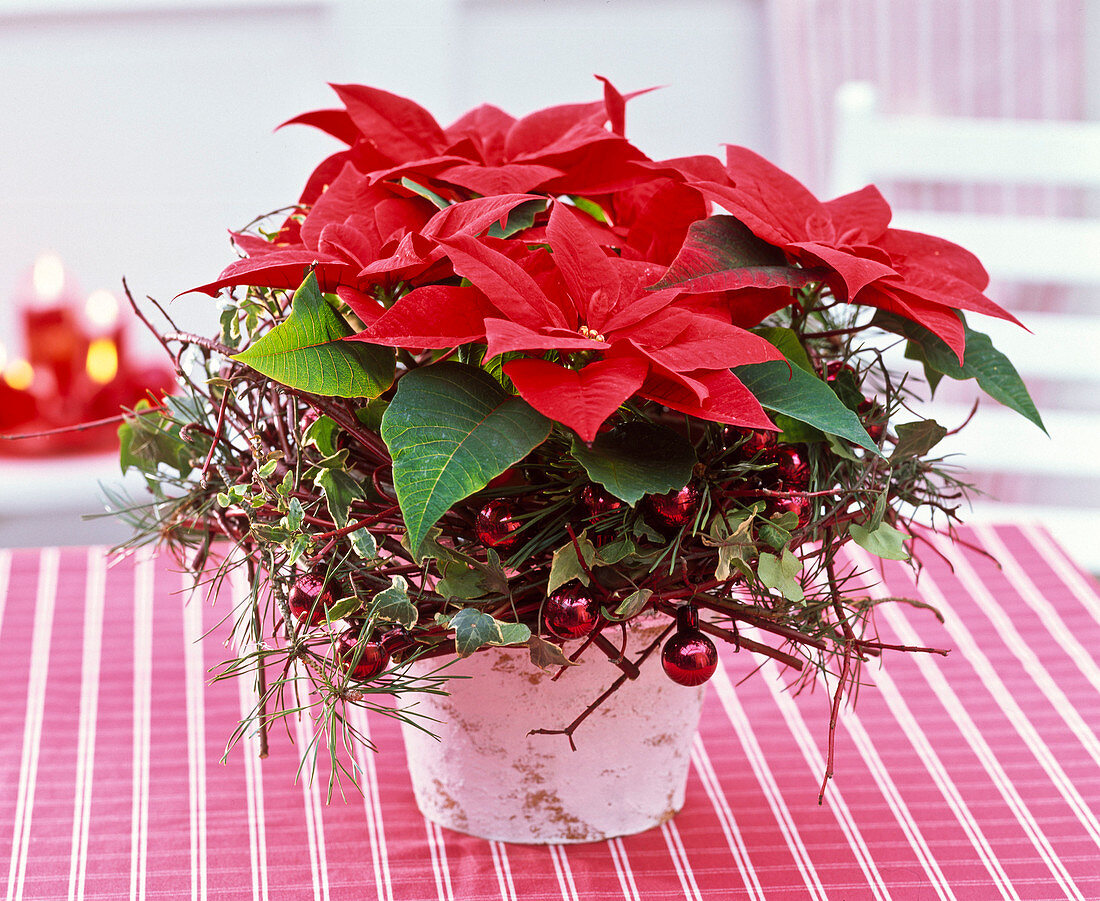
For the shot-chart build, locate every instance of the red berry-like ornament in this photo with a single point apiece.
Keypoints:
(497, 524)
(672, 511)
(373, 658)
(598, 502)
(792, 468)
(834, 368)
(795, 504)
(757, 441)
(689, 657)
(874, 419)
(309, 597)
(570, 612)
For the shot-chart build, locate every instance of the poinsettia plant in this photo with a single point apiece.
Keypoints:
(512, 382)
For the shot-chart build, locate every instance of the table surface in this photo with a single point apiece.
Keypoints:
(971, 776)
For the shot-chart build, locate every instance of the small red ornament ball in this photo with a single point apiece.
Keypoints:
(672, 511)
(689, 657)
(373, 659)
(497, 524)
(757, 441)
(792, 468)
(309, 596)
(874, 418)
(834, 368)
(570, 612)
(794, 504)
(598, 502)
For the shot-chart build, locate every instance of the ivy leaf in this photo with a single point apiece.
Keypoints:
(633, 603)
(294, 515)
(995, 375)
(720, 253)
(546, 655)
(363, 544)
(883, 541)
(451, 429)
(793, 391)
(637, 458)
(339, 488)
(474, 629)
(732, 535)
(343, 608)
(566, 565)
(147, 440)
(321, 433)
(915, 439)
(392, 605)
(615, 551)
(305, 351)
(780, 574)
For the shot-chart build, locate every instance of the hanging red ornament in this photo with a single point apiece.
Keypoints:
(794, 504)
(689, 657)
(309, 597)
(792, 469)
(571, 612)
(598, 502)
(834, 368)
(374, 656)
(756, 441)
(672, 511)
(874, 418)
(497, 523)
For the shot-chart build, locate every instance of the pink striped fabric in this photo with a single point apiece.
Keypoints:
(974, 776)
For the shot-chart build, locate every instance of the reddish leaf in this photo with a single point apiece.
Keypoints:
(398, 126)
(581, 399)
(434, 316)
(729, 400)
(853, 272)
(915, 248)
(510, 178)
(487, 125)
(503, 337)
(281, 269)
(707, 344)
(335, 122)
(861, 216)
(590, 277)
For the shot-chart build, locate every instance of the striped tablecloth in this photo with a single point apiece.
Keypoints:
(975, 776)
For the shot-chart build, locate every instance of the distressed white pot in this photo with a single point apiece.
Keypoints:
(487, 777)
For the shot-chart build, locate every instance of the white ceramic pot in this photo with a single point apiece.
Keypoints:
(486, 776)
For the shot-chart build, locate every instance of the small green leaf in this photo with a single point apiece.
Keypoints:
(267, 469)
(637, 458)
(426, 193)
(451, 429)
(339, 489)
(915, 439)
(615, 551)
(224, 500)
(995, 375)
(363, 544)
(546, 655)
(884, 541)
(519, 218)
(791, 390)
(590, 207)
(633, 603)
(298, 546)
(321, 434)
(306, 351)
(392, 605)
(566, 565)
(294, 515)
(780, 574)
(343, 609)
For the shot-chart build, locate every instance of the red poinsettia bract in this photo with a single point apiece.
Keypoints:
(613, 338)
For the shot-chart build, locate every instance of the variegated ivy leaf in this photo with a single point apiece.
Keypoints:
(474, 629)
(363, 544)
(392, 605)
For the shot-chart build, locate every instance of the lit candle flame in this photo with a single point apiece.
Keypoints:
(48, 277)
(19, 375)
(102, 309)
(102, 362)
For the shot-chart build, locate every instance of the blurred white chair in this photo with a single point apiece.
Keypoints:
(871, 147)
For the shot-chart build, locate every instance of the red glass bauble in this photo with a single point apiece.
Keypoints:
(373, 658)
(570, 612)
(309, 596)
(689, 657)
(757, 441)
(794, 504)
(792, 468)
(497, 524)
(874, 418)
(598, 502)
(834, 368)
(674, 510)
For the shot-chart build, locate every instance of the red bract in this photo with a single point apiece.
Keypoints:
(618, 338)
(864, 261)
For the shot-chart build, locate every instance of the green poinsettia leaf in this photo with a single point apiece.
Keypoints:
(474, 630)
(794, 392)
(992, 370)
(915, 439)
(883, 541)
(519, 218)
(307, 351)
(637, 458)
(451, 429)
(786, 341)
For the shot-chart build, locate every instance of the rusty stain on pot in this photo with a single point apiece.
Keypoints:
(549, 804)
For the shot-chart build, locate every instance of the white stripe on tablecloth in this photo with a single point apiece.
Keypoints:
(503, 871)
(46, 600)
(977, 741)
(564, 873)
(1064, 568)
(1043, 608)
(964, 641)
(5, 580)
(726, 820)
(142, 712)
(623, 870)
(680, 861)
(736, 716)
(194, 672)
(311, 806)
(816, 763)
(889, 789)
(438, 850)
(32, 729)
(94, 596)
(372, 806)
